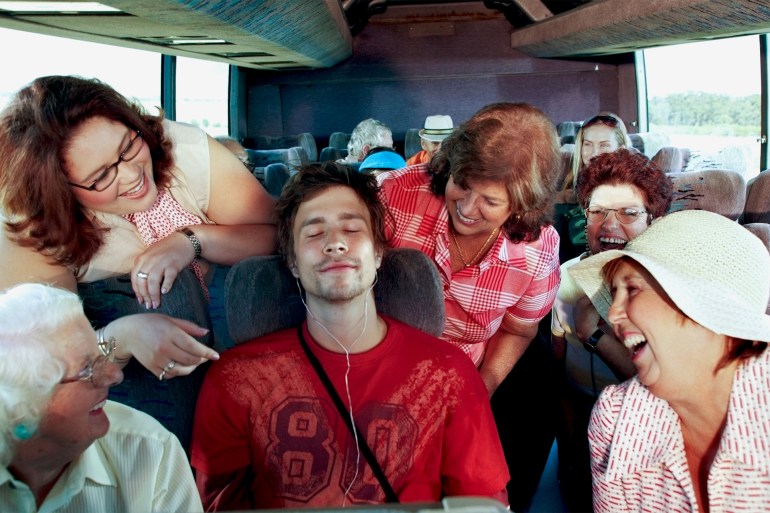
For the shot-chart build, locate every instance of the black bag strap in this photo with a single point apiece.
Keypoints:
(390, 494)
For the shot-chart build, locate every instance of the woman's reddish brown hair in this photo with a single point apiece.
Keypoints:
(624, 167)
(514, 144)
(39, 206)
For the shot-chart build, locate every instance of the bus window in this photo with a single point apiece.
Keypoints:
(706, 97)
(134, 73)
(203, 103)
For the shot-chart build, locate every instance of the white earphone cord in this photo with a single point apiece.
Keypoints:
(347, 372)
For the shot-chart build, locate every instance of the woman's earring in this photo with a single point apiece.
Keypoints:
(22, 432)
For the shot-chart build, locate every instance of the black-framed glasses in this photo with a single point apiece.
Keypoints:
(94, 371)
(623, 215)
(105, 179)
(605, 120)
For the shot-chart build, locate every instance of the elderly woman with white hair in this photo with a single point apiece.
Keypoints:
(63, 445)
(691, 432)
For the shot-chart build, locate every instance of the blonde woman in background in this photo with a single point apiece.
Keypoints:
(599, 134)
(602, 133)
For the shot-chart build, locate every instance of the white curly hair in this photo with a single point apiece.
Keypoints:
(31, 315)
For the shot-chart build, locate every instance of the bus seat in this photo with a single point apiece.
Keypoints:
(567, 131)
(291, 157)
(757, 209)
(715, 190)
(261, 295)
(637, 142)
(276, 176)
(307, 142)
(567, 128)
(304, 140)
(297, 158)
(761, 230)
(332, 153)
(171, 402)
(649, 143)
(412, 142)
(339, 140)
(670, 159)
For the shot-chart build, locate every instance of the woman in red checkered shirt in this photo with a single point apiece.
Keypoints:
(481, 210)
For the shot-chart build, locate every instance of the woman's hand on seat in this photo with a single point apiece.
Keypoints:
(157, 267)
(157, 339)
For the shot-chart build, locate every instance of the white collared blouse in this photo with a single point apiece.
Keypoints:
(638, 460)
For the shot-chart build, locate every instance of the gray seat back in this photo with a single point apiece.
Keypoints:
(262, 296)
(715, 190)
(332, 153)
(757, 208)
(339, 140)
(412, 142)
(305, 140)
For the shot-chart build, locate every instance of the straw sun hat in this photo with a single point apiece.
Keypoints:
(712, 268)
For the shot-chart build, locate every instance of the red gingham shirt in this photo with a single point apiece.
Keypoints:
(520, 279)
(637, 451)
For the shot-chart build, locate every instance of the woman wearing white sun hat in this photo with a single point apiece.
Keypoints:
(437, 128)
(691, 432)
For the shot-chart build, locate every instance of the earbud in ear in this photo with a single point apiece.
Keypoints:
(294, 271)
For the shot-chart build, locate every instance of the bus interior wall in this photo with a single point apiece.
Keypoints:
(400, 79)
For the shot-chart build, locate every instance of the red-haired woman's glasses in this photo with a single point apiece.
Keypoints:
(623, 215)
(105, 179)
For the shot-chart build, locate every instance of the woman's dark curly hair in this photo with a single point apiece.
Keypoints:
(627, 167)
(35, 132)
(513, 144)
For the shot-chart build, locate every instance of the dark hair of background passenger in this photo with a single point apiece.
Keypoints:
(313, 179)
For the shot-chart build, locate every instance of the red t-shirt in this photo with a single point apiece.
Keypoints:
(423, 408)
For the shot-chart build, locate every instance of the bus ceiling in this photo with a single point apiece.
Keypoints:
(307, 34)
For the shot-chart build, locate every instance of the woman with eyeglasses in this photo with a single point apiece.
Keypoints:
(598, 134)
(92, 187)
(621, 193)
(63, 446)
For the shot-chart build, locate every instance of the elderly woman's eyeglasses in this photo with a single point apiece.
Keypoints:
(95, 371)
(105, 179)
(623, 215)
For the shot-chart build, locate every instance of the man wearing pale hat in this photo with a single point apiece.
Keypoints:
(437, 128)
